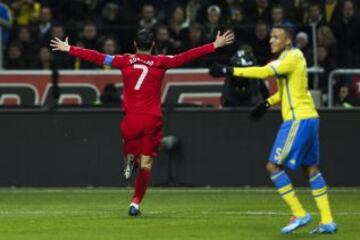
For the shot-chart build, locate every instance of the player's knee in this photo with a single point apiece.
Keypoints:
(271, 167)
(146, 162)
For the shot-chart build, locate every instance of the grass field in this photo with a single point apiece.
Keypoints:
(177, 213)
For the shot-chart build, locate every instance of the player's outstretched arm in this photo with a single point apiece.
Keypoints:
(278, 67)
(247, 72)
(180, 59)
(82, 53)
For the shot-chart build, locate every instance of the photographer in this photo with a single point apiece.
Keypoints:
(238, 91)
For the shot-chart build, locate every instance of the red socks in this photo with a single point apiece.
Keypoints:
(141, 183)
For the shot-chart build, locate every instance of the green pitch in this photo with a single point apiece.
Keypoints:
(167, 214)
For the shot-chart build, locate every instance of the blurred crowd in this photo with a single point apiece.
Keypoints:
(109, 26)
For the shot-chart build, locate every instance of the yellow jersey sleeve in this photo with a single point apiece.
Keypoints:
(253, 72)
(285, 64)
(274, 99)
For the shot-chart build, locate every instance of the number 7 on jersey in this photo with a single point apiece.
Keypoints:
(142, 76)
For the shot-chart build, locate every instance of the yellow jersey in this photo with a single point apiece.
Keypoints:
(290, 70)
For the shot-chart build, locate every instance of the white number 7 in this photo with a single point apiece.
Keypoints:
(142, 76)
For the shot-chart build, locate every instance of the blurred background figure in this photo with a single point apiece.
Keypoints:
(278, 17)
(109, 46)
(44, 60)
(302, 43)
(213, 22)
(5, 23)
(164, 44)
(346, 30)
(14, 57)
(43, 27)
(147, 17)
(346, 97)
(178, 26)
(110, 96)
(314, 15)
(26, 12)
(260, 43)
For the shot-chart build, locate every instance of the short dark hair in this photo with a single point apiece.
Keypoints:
(144, 39)
(289, 31)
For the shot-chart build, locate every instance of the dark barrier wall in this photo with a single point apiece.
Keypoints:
(70, 147)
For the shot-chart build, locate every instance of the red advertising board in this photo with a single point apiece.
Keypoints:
(29, 88)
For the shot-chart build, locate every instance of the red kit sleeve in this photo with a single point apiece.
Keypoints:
(190, 55)
(87, 55)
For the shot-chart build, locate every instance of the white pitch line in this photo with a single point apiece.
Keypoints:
(165, 190)
(205, 213)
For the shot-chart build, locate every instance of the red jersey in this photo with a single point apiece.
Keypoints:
(142, 74)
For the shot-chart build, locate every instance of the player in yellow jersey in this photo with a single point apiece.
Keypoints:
(297, 142)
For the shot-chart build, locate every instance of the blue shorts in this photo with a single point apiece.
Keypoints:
(297, 144)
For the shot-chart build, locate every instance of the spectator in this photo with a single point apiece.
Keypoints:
(43, 28)
(177, 26)
(302, 43)
(347, 34)
(228, 7)
(164, 9)
(260, 43)
(44, 60)
(77, 12)
(29, 47)
(61, 60)
(332, 10)
(110, 18)
(298, 10)
(147, 19)
(240, 24)
(328, 63)
(194, 39)
(195, 11)
(26, 12)
(110, 47)
(164, 45)
(260, 11)
(14, 58)
(213, 24)
(57, 31)
(326, 38)
(278, 17)
(346, 97)
(115, 21)
(90, 37)
(5, 23)
(314, 15)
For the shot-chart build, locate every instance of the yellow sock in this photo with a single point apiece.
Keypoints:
(289, 196)
(322, 202)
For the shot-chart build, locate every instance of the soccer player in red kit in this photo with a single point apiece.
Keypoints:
(142, 77)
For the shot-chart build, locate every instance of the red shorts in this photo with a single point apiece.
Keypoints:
(141, 134)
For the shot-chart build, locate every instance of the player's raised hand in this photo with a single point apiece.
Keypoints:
(58, 45)
(223, 40)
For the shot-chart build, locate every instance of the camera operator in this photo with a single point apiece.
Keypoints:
(239, 91)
